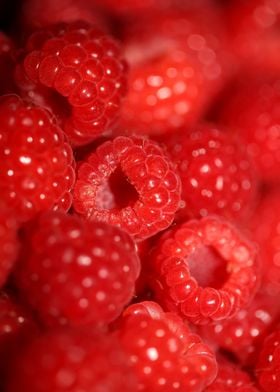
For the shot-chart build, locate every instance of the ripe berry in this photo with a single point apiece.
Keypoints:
(78, 72)
(243, 334)
(177, 67)
(76, 272)
(165, 355)
(264, 229)
(36, 161)
(216, 173)
(205, 270)
(128, 182)
(251, 109)
(231, 378)
(268, 367)
(9, 242)
(71, 360)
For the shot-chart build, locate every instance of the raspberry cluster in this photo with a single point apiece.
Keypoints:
(139, 196)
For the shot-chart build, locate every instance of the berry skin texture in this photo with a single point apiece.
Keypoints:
(128, 182)
(267, 368)
(37, 171)
(9, 243)
(231, 378)
(76, 272)
(78, 72)
(165, 355)
(264, 229)
(215, 290)
(252, 111)
(243, 334)
(71, 360)
(216, 173)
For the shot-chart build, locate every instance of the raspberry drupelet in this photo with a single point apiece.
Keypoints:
(268, 367)
(164, 353)
(129, 182)
(72, 360)
(205, 270)
(76, 272)
(78, 72)
(216, 172)
(37, 171)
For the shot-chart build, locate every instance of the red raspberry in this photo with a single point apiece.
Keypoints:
(78, 72)
(215, 290)
(6, 64)
(253, 26)
(231, 378)
(177, 67)
(76, 272)
(243, 334)
(252, 110)
(217, 175)
(268, 367)
(264, 227)
(71, 360)
(166, 356)
(16, 326)
(36, 161)
(9, 242)
(131, 183)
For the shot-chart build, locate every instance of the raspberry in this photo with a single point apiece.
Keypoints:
(37, 163)
(131, 183)
(231, 378)
(252, 110)
(267, 369)
(76, 272)
(166, 356)
(217, 175)
(215, 290)
(264, 229)
(71, 360)
(243, 334)
(176, 69)
(9, 242)
(78, 72)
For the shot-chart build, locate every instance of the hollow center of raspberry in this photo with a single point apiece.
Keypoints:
(208, 267)
(118, 192)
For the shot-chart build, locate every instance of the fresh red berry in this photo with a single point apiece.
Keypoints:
(36, 161)
(71, 360)
(166, 356)
(268, 367)
(78, 72)
(131, 183)
(216, 173)
(9, 242)
(251, 109)
(177, 67)
(231, 378)
(264, 228)
(243, 334)
(76, 272)
(205, 270)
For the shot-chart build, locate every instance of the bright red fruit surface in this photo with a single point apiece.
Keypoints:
(36, 171)
(72, 360)
(205, 270)
(216, 173)
(77, 71)
(166, 356)
(131, 183)
(76, 272)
